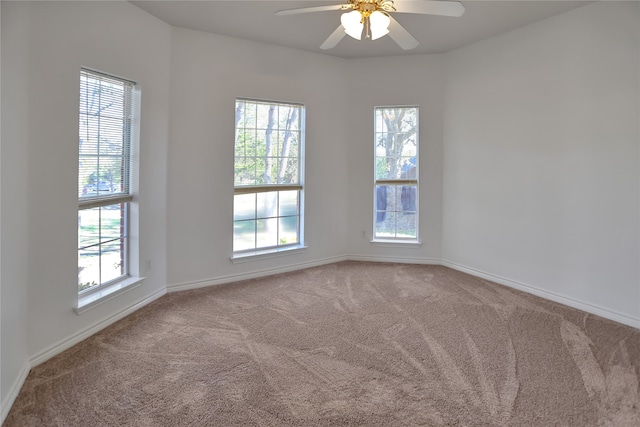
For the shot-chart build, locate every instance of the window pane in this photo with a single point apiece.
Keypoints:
(407, 198)
(396, 141)
(267, 204)
(88, 227)
(275, 134)
(240, 117)
(245, 171)
(111, 256)
(384, 197)
(244, 207)
(408, 169)
(390, 224)
(394, 202)
(111, 222)
(294, 145)
(406, 225)
(88, 267)
(267, 232)
(261, 168)
(289, 173)
(244, 235)
(271, 167)
(241, 144)
(265, 115)
(385, 226)
(281, 149)
(288, 203)
(101, 245)
(288, 230)
(250, 115)
(245, 143)
(395, 198)
(381, 168)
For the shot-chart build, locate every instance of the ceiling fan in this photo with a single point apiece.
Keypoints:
(374, 17)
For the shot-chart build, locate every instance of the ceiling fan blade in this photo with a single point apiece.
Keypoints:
(401, 36)
(334, 38)
(313, 9)
(430, 7)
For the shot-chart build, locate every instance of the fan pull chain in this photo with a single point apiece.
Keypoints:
(366, 25)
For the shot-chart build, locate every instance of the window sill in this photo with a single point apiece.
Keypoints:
(396, 243)
(88, 301)
(266, 254)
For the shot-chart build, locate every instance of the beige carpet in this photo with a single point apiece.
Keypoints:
(344, 344)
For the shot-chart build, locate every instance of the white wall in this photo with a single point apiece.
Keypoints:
(55, 40)
(14, 180)
(405, 80)
(541, 160)
(117, 38)
(208, 72)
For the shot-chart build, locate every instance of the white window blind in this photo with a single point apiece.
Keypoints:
(106, 106)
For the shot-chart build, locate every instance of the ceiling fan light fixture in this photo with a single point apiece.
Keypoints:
(379, 24)
(352, 24)
(373, 17)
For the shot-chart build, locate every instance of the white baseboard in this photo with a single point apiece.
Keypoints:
(69, 342)
(252, 275)
(393, 259)
(7, 401)
(552, 296)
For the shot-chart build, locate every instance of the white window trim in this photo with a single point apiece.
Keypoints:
(388, 243)
(398, 241)
(258, 255)
(105, 293)
(273, 252)
(132, 279)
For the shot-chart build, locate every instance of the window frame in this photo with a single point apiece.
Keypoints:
(123, 197)
(259, 252)
(396, 182)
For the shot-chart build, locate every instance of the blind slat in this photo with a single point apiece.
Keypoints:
(106, 109)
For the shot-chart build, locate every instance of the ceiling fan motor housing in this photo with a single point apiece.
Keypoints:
(367, 7)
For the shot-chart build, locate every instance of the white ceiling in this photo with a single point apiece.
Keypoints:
(256, 20)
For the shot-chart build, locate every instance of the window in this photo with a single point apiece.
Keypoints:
(268, 196)
(104, 192)
(396, 174)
